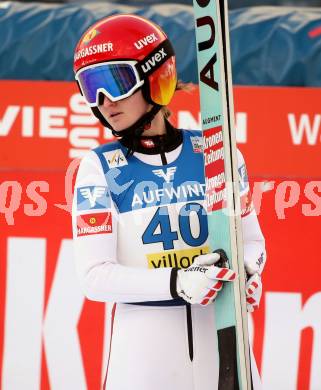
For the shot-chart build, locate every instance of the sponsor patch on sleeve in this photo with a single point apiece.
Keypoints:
(99, 223)
(93, 198)
(245, 193)
(243, 179)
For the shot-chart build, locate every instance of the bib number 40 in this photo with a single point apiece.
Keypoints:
(160, 230)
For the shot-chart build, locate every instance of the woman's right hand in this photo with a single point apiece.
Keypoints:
(201, 281)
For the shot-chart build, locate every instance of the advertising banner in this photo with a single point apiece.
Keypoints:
(44, 125)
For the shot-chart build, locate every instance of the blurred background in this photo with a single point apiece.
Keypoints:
(50, 336)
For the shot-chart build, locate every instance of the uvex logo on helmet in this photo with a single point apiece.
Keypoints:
(151, 38)
(154, 60)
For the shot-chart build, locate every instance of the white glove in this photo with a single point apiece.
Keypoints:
(253, 292)
(201, 281)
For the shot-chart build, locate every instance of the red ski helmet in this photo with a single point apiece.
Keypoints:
(122, 53)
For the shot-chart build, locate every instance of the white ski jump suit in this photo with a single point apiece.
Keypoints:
(133, 220)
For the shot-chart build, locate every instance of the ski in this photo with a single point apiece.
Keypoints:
(222, 186)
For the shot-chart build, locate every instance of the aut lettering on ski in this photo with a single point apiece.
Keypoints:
(221, 191)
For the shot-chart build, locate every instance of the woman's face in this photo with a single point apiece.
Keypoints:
(124, 113)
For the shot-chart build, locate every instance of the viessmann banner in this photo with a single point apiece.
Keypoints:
(51, 337)
(46, 124)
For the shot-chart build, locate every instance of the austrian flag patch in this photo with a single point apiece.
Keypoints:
(94, 224)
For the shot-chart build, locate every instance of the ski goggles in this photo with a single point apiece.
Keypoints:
(116, 79)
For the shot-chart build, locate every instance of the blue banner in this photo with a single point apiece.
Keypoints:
(270, 45)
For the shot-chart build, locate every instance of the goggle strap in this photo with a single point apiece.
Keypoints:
(155, 59)
(79, 88)
(100, 98)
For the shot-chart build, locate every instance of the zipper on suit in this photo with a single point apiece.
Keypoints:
(162, 153)
(189, 324)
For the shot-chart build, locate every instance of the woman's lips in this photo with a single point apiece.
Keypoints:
(113, 115)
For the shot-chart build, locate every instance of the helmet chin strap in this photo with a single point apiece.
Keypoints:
(135, 131)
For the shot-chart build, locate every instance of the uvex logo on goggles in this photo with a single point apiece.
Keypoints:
(152, 62)
(155, 59)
